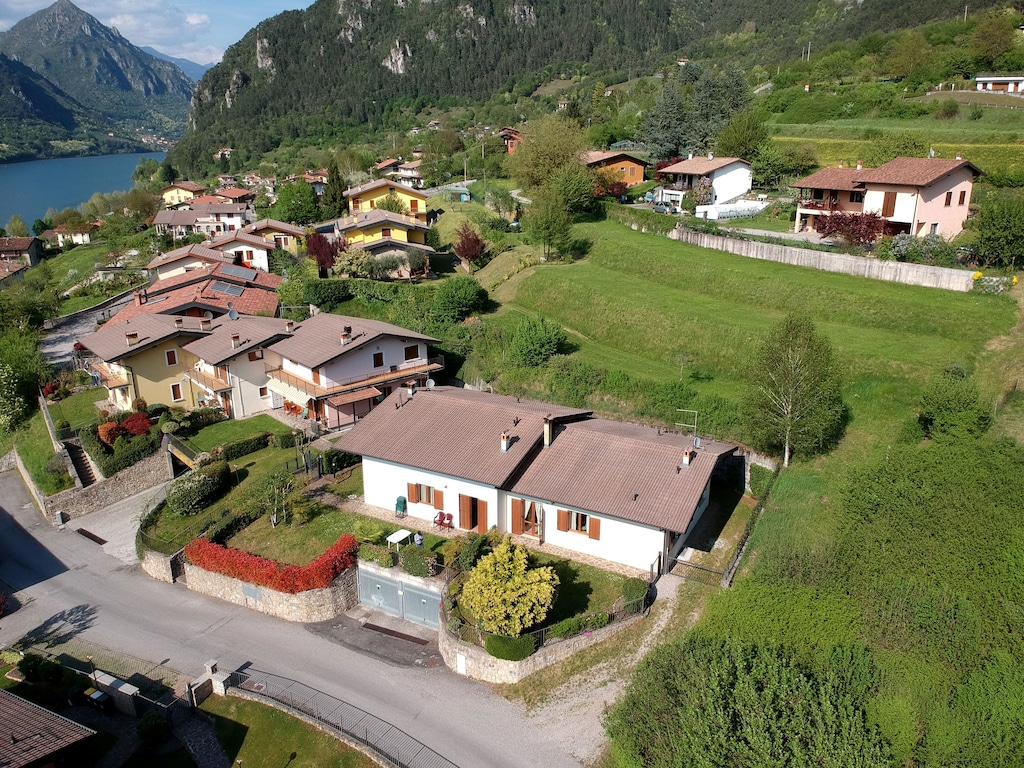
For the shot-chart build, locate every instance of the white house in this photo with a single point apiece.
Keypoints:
(731, 178)
(250, 251)
(335, 369)
(621, 492)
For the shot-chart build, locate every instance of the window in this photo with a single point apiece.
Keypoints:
(373, 203)
(526, 517)
(414, 206)
(856, 197)
(935, 228)
(264, 392)
(172, 356)
(378, 359)
(425, 494)
(963, 197)
(256, 354)
(385, 232)
(280, 241)
(316, 375)
(579, 522)
(176, 393)
(632, 170)
(412, 351)
(949, 199)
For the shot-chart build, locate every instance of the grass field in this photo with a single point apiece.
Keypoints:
(235, 429)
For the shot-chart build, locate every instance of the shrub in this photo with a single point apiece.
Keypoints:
(451, 549)
(244, 446)
(368, 531)
(137, 424)
(473, 547)
(109, 431)
(457, 298)
(510, 648)
(535, 341)
(139, 405)
(194, 490)
(633, 589)
(760, 480)
(57, 465)
(152, 729)
(375, 553)
(29, 666)
(334, 460)
(157, 410)
(418, 561)
(577, 624)
(283, 440)
(236, 564)
(469, 246)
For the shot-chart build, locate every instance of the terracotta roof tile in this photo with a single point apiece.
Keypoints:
(701, 166)
(32, 733)
(253, 332)
(193, 251)
(916, 171)
(264, 225)
(599, 156)
(372, 185)
(110, 345)
(847, 179)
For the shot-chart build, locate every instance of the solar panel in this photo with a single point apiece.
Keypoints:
(231, 290)
(236, 271)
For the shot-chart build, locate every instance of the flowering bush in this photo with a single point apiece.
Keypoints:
(254, 569)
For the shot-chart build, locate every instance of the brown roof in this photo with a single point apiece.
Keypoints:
(110, 344)
(253, 332)
(353, 397)
(317, 341)
(31, 733)
(846, 179)
(598, 466)
(595, 156)
(701, 166)
(372, 185)
(412, 165)
(384, 243)
(223, 272)
(235, 193)
(915, 171)
(206, 200)
(379, 216)
(15, 244)
(239, 237)
(188, 186)
(386, 163)
(193, 251)
(454, 432)
(212, 294)
(8, 268)
(274, 225)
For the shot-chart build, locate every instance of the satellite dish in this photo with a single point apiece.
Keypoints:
(429, 384)
(231, 305)
(207, 315)
(696, 442)
(232, 314)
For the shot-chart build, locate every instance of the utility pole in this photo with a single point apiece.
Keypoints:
(483, 161)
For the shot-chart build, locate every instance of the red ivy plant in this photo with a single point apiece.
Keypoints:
(137, 424)
(254, 569)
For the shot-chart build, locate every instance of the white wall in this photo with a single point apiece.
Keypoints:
(730, 182)
(359, 363)
(248, 376)
(906, 203)
(385, 481)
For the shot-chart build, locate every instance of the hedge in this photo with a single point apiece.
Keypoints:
(633, 589)
(760, 480)
(283, 440)
(418, 561)
(510, 648)
(375, 553)
(335, 460)
(244, 446)
(578, 624)
(127, 450)
(197, 488)
(254, 569)
(326, 294)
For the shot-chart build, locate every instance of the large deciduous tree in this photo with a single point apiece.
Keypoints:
(795, 401)
(547, 222)
(323, 251)
(549, 143)
(505, 594)
(999, 224)
(468, 246)
(296, 202)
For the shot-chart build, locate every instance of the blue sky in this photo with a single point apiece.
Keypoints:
(198, 30)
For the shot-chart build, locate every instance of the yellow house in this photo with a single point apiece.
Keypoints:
(376, 230)
(143, 357)
(365, 197)
(180, 192)
(288, 237)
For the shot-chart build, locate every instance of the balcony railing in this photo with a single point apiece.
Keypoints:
(395, 373)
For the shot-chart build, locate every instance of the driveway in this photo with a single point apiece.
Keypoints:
(66, 586)
(58, 344)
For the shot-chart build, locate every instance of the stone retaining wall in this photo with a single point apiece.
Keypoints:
(75, 502)
(309, 606)
(892, 271)
(156, 565)
(475, 662)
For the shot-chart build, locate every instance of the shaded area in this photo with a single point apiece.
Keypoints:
(24, 562)
(62, 627)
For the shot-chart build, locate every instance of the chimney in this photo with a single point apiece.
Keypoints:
(132, 338)
(236, 340)
(547, 430)
(504, 442)
(412, 390)
(959, 155)
(711, 156)
(688, 457)
(346, 335)
(860, 165)
(842, 164)
(205, 324)
(289, 326)
(690, 156)
(138, 299)
(179, 322)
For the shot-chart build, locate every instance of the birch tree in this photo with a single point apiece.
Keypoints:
(795, 402)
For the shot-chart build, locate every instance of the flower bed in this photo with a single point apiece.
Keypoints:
(290, 579)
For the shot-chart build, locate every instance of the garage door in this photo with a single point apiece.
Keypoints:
(399, 598)
(379, 592)
(421, 605)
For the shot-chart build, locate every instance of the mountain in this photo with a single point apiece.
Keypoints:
(38, 120)
(191, 69)
(100, 69)
(320, 73)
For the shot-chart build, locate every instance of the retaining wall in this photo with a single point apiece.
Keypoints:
(891, 271)
(156, 565)
(309, 606)
(475, 662)
(75, 502)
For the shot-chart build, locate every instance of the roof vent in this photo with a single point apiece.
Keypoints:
(179, 322)
(236, 341)
(289, 325)
(504, 442)
(205, 324)
(860, 165)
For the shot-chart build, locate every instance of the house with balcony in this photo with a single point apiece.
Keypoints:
(381, 232)
(625, 167)
(512, 138)
(287, 237)
(410, 174)
(730, 178)
(364, 198)
(335, 369)
(915, 195)
(550, 474)
(248, 250)
(208, 219)
(181, 192)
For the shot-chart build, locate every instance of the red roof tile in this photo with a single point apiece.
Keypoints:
(847, 179)
(916, 171)
(701, 166)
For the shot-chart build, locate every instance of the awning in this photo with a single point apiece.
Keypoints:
(353, 397)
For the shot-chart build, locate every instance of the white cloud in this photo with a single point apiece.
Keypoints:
(196, 19)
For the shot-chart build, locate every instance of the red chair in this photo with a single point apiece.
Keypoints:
(438, 522)
(448, 521)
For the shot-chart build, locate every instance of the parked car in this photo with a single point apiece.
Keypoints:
(668, 208)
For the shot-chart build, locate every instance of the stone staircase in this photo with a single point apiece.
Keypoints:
(81, 462)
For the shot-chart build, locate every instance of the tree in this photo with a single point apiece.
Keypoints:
(999, 224)
(951, 407)
(574, 184)
(469, 246)
(12, 404)
(507, 596)
(548, 143)
(994, 35)
(39, 226)
(333, 203)
(457, 298)
(547, 222)
(535, 341)
(323, 252)
(16, 226)
(742, 136)
(795, 402)
(393, 203)
(854, 228)
(296, 202)
(663, 124)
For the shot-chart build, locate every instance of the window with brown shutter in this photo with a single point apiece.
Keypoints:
(563, 520)
(518, 505)
(481, 514)
(413, 492)
(438, 499)
(889, 204)
(378, 359)
(465, 512)
(963, 197)
(949, 199)
(594, 529)
(256, 354)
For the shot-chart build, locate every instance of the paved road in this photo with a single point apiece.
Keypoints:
(65, 584)
(58, 343)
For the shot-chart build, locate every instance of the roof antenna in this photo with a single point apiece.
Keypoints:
(687, 425)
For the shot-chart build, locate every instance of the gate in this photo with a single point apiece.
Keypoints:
(379, 592)
(421, 605)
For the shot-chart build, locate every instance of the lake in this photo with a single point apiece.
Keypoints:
(29, 189)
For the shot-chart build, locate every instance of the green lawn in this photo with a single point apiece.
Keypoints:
(258, 736)
(235, 429)
(78, 409)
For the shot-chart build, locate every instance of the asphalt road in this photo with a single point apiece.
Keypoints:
(65, 584)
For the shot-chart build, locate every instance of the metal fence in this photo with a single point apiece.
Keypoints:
(393, 746)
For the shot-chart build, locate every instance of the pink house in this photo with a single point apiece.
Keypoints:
(916, 195)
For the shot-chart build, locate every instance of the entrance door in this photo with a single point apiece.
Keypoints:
(526, 517)
(472, 514)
